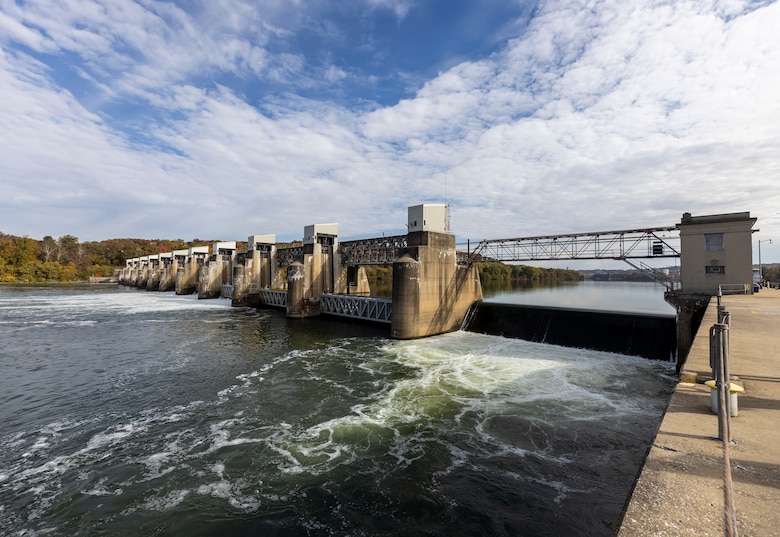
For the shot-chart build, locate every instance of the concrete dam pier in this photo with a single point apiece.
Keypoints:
(433, 287)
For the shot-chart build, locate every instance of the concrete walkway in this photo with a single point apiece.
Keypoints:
(680, 490)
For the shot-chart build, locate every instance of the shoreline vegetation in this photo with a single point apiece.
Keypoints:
(67, 260)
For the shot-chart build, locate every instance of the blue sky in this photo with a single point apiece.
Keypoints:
(228, 118)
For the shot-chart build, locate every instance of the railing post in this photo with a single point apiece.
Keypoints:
(719, 359)
(719, 349)
(714, 358)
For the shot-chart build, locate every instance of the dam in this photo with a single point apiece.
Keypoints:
(436, 284)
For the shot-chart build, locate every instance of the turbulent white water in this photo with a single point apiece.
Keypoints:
(138, 413)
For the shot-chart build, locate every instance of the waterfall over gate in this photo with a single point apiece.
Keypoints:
(649, 336)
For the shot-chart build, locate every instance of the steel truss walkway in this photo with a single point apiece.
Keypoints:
(377, 251)
(288, 256)
(273, 297)
(625, 245)
(358, 307)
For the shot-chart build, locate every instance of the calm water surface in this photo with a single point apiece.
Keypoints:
(633, 297)
(127, 412)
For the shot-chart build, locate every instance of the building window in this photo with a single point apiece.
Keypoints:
(715, 269)
(713, 241)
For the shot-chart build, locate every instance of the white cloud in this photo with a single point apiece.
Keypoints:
(13, 30)
(616, 116)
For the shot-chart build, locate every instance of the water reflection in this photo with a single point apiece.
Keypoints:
(632, 297)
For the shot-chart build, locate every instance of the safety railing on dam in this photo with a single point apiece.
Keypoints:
(358, 307)
(272, 297)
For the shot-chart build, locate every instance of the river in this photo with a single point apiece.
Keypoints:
(127, 412)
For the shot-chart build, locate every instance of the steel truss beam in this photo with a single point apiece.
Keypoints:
(358, 307)
(377, 251)
(272, 297)
(287, 256)
(626, 244)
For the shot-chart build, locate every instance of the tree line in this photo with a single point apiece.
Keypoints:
(771, 273)
(524, 273)
(66, 259)
(494, 271)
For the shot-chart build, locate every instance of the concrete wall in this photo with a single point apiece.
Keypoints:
(706, 262)
(279, 279)
(352, 281)
(264, 269)
(168, 275)
(143, 274)
(431, 293)
(187, 276)
(155, 274)
(212, 275)
(307, 281)
(241, 274)
(254, 270)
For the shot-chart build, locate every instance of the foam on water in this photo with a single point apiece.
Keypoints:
(58, 310)
(323, 423)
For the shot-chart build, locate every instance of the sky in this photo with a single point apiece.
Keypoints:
(220, 119)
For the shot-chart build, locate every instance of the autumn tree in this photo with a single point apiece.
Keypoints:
(81, 257)
(19, 250)
(67, 245)
(48, 249)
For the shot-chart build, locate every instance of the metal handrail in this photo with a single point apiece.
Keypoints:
(719, 361)
(358, 307)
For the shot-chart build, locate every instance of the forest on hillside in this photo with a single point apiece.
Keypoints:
(66, 259)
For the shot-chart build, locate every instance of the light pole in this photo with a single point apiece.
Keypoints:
(760, 270)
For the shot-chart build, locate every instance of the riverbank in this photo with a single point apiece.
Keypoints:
(91, 281)
(680, 489)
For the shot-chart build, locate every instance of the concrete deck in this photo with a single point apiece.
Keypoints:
(680, 489)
